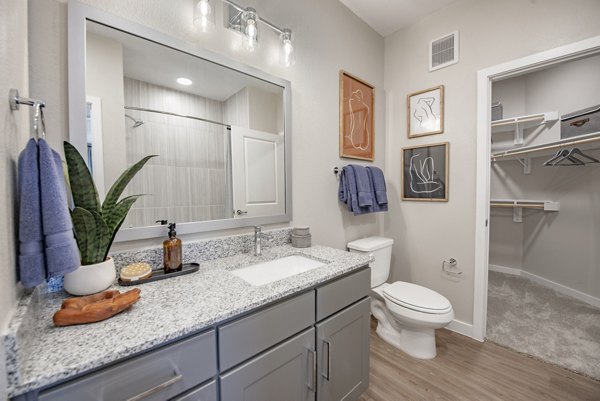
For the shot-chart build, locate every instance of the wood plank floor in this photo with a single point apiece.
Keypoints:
(465, 370)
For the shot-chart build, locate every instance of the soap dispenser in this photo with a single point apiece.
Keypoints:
(172, 252)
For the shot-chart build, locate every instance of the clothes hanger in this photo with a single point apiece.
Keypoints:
(580, 153)
(558, 154)
(561, 156)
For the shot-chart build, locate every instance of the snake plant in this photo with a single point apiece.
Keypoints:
(96, 224)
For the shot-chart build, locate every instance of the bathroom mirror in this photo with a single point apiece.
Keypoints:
(221, 129)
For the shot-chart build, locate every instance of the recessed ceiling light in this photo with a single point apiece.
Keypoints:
(184, 81)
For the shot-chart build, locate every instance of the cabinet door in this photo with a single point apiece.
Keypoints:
(343, 353)
(286, 372)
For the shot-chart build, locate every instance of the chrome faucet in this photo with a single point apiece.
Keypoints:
(257, 240)
(258, 237)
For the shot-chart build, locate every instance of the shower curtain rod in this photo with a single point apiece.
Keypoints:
(177, 115)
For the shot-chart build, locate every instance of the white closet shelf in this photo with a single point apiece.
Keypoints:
(546, 205)
(584, 142)
(529, 121)
(518, 124)
(517, 205)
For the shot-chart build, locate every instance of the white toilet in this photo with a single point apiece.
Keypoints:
(407, 314)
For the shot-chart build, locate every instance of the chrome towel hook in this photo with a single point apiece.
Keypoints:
(15, 101)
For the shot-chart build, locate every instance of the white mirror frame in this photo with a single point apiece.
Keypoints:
(79, 14)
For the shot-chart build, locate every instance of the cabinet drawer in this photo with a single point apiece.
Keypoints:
(208, 392)
(343, 292)
(284, 373)
(246, 337)
(157, 375)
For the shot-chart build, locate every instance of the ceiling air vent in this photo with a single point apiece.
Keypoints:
(443, 51)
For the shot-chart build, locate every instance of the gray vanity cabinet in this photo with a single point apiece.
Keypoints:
(312, 346)
(286, 372)
(343, 350)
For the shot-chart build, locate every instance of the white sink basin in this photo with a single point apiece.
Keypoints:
(278, 269)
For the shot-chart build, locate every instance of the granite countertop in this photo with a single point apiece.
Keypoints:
(39, 354)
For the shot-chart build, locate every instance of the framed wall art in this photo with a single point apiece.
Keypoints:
(425, 172)
(357, 103)
(425, 112)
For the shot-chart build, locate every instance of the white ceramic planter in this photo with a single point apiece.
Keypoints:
(91, 279)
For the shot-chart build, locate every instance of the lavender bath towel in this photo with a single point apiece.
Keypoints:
(379, 185)
(347, 191)
(363, 188)
(377, 207)
(32, 268)
(62, 254)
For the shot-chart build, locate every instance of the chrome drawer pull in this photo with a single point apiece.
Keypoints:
(313, 374)
(328, 374)
(156, 389)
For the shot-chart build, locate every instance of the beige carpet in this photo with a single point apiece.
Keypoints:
(536, 320)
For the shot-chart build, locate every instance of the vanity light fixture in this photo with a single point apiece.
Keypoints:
(287, 57)
(184, 81)
(204, 18)
(250, 19)
(245, 21)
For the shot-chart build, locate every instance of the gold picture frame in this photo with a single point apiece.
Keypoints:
(357, 123)
(422, 179)
(425, 112)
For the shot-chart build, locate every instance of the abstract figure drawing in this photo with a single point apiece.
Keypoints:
(424, 114)
(422, 176)
(359, 127)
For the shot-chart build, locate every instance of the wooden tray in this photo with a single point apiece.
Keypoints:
(187, 268)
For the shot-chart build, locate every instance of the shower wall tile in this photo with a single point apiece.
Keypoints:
(199, 184)
(200, 213)
(217, 212)
(217, 181)
(187, 181)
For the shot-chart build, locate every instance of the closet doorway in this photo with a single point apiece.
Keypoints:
(537, 274)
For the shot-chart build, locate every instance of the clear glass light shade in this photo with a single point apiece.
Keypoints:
(287, 57)
(204, 17)
(250, 19)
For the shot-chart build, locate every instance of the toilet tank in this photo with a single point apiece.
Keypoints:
(381, 249)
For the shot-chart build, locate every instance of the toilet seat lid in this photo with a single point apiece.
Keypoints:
(416, 297)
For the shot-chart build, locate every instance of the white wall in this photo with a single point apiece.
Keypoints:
(491, 32)
(104, 79)
(328, 37)
(263, 111)
(14, 132)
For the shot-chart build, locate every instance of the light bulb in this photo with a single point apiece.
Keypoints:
(251, 30)
(286, 51)
(204, 8)
(203, 16)
(250, 39)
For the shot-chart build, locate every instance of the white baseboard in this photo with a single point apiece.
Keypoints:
(506, 270)
(581, 296)
(459, 327)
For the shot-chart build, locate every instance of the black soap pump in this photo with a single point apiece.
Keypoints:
(172, 252)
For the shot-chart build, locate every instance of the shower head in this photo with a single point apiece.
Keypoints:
(136, 123)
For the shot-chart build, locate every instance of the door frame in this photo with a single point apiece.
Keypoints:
(485, 77)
